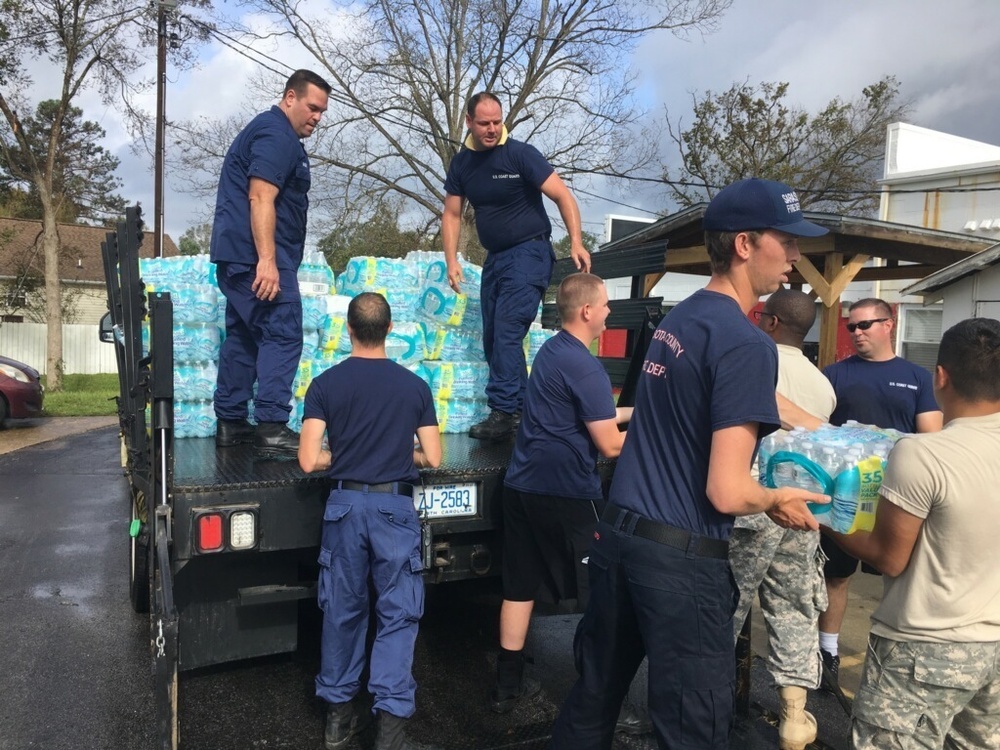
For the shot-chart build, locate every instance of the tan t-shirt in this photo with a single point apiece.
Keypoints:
(803, 384)
(950, 591)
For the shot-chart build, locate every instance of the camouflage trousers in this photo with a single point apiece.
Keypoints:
(928, 695)
(786, 568)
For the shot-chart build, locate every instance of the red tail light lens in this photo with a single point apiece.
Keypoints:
(210, 536)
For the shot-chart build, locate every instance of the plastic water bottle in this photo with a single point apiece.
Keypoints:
(803, 478)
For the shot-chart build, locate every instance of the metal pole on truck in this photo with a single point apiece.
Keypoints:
(162, 40)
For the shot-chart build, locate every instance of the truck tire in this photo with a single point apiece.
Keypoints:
(139, 554)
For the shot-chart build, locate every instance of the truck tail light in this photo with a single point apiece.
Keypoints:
(242, 530)
(209, 537)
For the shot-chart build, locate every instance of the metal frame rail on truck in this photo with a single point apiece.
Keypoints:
(224, 547)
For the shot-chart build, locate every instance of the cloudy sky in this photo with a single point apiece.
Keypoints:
(943, 53)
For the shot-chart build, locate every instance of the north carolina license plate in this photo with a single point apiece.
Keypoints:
(442, 500)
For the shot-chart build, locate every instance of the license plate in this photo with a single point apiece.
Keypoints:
(443, 500)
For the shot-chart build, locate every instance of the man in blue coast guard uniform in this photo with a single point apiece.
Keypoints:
(504, 181)
(371, 408)
(257, 244)
(660, 581)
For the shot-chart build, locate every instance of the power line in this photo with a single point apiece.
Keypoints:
(244, 49)
(46, 32)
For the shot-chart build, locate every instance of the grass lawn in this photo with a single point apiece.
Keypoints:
(83, 396)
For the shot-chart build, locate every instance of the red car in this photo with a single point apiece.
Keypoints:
(21, 391)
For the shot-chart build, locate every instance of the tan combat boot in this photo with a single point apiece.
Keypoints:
(798, 727)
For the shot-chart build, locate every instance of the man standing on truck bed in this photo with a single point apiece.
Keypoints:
(257, 244)
(370, 408)
(660, 581)
(505, 180)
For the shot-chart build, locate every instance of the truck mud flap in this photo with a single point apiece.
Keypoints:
(163, 639)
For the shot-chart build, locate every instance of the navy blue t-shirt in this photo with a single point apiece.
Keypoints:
(267, 148)
(887, 394)
(553, 452)
(707, 368)
(372, 409)
(503, 185)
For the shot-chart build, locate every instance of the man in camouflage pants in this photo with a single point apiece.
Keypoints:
(932, 672)
(786, 566)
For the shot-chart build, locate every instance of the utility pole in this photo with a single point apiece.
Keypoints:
(162, 40)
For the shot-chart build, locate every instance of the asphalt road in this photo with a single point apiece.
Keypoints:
(74, 660)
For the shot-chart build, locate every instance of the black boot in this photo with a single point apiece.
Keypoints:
(831, 672)
(344, 721)
(230, 432)
(275, 440)
(633, 720)
(390, 734)
(499, 425)
(512, 684)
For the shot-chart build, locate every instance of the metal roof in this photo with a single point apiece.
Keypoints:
(909, 252)
(950, 274)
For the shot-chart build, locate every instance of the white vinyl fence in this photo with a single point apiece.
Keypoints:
(83, 352)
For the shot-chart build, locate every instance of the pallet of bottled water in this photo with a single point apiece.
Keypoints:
(847, 463)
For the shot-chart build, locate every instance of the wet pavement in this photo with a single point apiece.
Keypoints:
(75, 669)
(22, 433)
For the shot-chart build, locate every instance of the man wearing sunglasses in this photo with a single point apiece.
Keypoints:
(873, 386)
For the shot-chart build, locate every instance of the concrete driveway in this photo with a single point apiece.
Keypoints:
(21, 433)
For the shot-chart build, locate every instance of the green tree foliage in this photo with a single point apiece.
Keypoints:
(76, 44)
(833, 158)
(379, 236)
(196, 240)
(83, 181)
(590, 241)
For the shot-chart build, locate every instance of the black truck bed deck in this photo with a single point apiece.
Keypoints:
(200, 467)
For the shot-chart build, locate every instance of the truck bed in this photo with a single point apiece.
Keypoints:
(200, 467)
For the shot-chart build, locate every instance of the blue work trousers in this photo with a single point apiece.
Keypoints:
(263, 343)
(514, 281)
(377, 536)
(649, 599)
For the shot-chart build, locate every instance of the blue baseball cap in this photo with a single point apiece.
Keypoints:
(758, 204)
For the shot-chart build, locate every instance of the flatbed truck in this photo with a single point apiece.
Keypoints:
(223, 546)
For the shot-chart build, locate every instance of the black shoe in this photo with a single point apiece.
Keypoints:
(390, 734)
(230, 432)
(633, 721)
(830, 680)
(512, 684)
(503, 700)
(497, 426)
(344, 721)
(275, 440)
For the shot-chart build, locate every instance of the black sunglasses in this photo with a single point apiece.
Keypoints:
(864, 325)
(758, 313)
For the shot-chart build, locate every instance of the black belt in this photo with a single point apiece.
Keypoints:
(702, 546)
(386, 488)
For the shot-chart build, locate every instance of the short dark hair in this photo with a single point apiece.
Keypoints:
(970, 354)
(796, 310)
(575, 291)
(883, 307)
(475, 99)
(721, 247)
(299, 81)
(369, 317)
